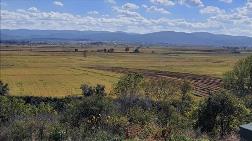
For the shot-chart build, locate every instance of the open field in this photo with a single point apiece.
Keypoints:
(58, 72)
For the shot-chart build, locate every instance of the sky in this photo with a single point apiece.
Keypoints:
(232, 17)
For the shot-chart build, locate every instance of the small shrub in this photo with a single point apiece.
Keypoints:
(90, 91)
(137, 115)
(4, 89)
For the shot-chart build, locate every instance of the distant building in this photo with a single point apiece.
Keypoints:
(246, 132)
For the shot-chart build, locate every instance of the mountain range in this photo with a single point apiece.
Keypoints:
(164, 37)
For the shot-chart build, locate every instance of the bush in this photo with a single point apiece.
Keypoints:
(19, 131)
(12, 108)
(89, 90)
(4, 89)
(239, 80)
(137, 115)
(161, 89)
(221, 114)
(57, 133)
(129, 85)
(92, 110)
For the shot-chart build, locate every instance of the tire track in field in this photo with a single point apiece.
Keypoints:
(203, 85)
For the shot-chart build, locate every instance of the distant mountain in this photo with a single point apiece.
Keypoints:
(164, 37)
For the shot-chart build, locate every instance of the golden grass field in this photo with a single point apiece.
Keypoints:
(62, 73)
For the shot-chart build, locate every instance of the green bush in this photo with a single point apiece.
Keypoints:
(239, 80)
(12, 108)
(137, 115)
(99, 90)
(19, 131)
(221, 114)
(57, 133)
(129, 85)
(92, 109)
(161, 89)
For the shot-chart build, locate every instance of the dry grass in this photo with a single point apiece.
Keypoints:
(61, 73)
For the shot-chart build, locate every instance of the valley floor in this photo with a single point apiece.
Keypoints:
(59, 73)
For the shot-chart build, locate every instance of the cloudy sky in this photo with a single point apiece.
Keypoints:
(232, 17)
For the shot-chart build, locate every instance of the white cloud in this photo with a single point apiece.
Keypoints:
(33, 9)
(197, 3)
(155, 9)
(163, 2)
(125, 12)
(58, 3)
(226, 1)
(211, 10)
(93, 12)
(130, 6)
(110, 1)
(236, 22)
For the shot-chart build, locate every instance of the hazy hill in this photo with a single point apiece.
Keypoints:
(164, 37)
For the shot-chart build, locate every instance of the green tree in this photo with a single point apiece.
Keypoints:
(4, 89)
(239, 80)
(221, 114)
(129, 85)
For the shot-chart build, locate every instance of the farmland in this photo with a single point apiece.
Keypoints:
(60, 71)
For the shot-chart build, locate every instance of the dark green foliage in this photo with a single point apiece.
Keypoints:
(248, 101)
(4, 89)
(11, 108)
(100, 90)
(57, 133)
(24, 121)
(138, 115)
(90, 91)
(239, 80)
(221, 114)
(87, 90)
(19, 131)
(92, 110)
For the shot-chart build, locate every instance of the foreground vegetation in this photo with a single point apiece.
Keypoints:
(142, 109)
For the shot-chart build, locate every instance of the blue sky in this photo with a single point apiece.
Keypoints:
(232, 17)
